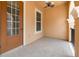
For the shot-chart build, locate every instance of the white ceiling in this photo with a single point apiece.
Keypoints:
(42, 3)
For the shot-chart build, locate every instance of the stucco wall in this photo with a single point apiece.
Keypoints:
(30, 22)
(55, 22)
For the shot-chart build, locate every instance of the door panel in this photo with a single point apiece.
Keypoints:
(12, 20)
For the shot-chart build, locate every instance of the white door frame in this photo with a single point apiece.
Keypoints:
(24, 22)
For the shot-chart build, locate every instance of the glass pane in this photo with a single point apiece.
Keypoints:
(14, 25)
(38, 19)
(17, 18)
(13, 18)
(38, 26)
(9, 10)
(13, 11)
(17, 25)
(13, 31)
(17, 12)
(9, 24)
(38, 16)
(9, 32)
(8, 17)
(17, 31)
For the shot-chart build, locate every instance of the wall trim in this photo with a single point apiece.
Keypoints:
(24, 23)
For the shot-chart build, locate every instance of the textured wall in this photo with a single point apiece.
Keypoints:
(30, 22)
(55, 22)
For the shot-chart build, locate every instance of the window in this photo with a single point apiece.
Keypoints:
(38, 20)
(13, 18)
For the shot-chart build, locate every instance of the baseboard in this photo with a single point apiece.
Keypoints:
(55, 38)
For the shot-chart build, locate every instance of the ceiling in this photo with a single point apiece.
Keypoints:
(42, 3)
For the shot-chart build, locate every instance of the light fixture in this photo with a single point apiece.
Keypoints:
(49, 4)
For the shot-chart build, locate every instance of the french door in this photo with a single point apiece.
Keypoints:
(11, 25)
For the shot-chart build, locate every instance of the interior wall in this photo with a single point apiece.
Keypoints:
(30, 22)
(55, 22)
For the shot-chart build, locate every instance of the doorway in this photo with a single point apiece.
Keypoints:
(72, 36)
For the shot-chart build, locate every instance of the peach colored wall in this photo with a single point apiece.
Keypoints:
(30, 22)
(55, 22)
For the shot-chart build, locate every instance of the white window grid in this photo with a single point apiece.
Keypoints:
(38, 21)
(11, 21)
